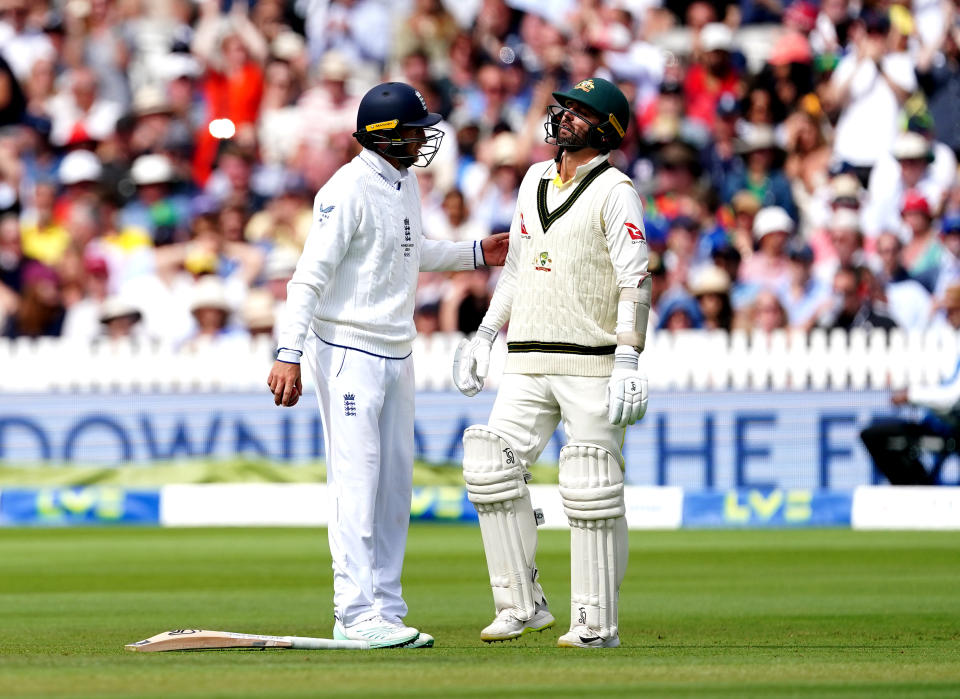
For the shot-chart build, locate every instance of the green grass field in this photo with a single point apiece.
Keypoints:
(723, 613)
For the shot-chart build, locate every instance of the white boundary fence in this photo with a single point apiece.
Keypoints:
(683, 360)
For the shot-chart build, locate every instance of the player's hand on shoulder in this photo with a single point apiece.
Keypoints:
(284, 383)
(495, 249)
(626, 394)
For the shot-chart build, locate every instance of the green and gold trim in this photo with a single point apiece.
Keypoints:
(547, 218)
(560, 348)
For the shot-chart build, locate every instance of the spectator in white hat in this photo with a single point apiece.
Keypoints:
(713, 76)
(120, 318)
(907, 167)
(769, 266)
(80, 173)
(211, 312)
(155, 208)
(846, 245)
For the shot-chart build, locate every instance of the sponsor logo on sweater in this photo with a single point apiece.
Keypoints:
(407, 243)
(636, 235)
(325, 212)
(523, 228)
(542, 262)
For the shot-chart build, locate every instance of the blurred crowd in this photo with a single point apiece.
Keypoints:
(158, 159)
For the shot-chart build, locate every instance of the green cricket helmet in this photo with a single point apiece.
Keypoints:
(603, 97)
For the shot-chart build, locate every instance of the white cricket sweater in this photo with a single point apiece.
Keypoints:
(355, 282)
(573, 246)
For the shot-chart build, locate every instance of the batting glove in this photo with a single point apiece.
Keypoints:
(472, 361)
(627, 389)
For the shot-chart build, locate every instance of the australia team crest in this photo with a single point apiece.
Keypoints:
(542, 262)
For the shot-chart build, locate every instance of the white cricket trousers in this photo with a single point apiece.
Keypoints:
(367, 406)
(528, 408)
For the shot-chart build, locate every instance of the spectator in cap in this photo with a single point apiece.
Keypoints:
(40, 310)
(679, 312)
(950, 233)
(155, 208)
(710, 286)
(769, 265)
(868, 87)
(852, 305)
(896, 444)
(119, 319)
(804, 295)
(760, 175)
(713, 75)
(923, 254)
(720, 158)
(908, 302)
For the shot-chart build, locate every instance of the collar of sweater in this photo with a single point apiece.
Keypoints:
(553, 173)
(379, 165)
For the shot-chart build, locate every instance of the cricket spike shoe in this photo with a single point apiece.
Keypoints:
(507, 627)
(376, 631)
(584, 637)
(423, 640)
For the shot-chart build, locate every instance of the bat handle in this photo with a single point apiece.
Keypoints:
(306, 643)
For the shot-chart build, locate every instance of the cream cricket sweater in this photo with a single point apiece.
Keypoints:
(355, 282)
(573, 246)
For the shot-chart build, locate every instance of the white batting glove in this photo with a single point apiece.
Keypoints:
(627, 389)
(472, 361)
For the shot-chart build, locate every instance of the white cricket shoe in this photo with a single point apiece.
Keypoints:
(423, 640)
(377, 631)
(584, 637)
(507, 627)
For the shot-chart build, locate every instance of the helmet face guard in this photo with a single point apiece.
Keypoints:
(390, 142)
(603, 137)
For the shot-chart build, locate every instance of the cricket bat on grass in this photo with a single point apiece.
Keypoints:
(198, 639)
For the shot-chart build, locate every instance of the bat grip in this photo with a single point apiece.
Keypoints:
(306, 643)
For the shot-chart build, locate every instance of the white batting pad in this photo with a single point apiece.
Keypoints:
(495, 485)
(591, 486)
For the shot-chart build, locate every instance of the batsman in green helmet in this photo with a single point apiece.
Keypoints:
(576, 292)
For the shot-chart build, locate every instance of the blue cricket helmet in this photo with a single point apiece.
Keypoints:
(387, 109)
